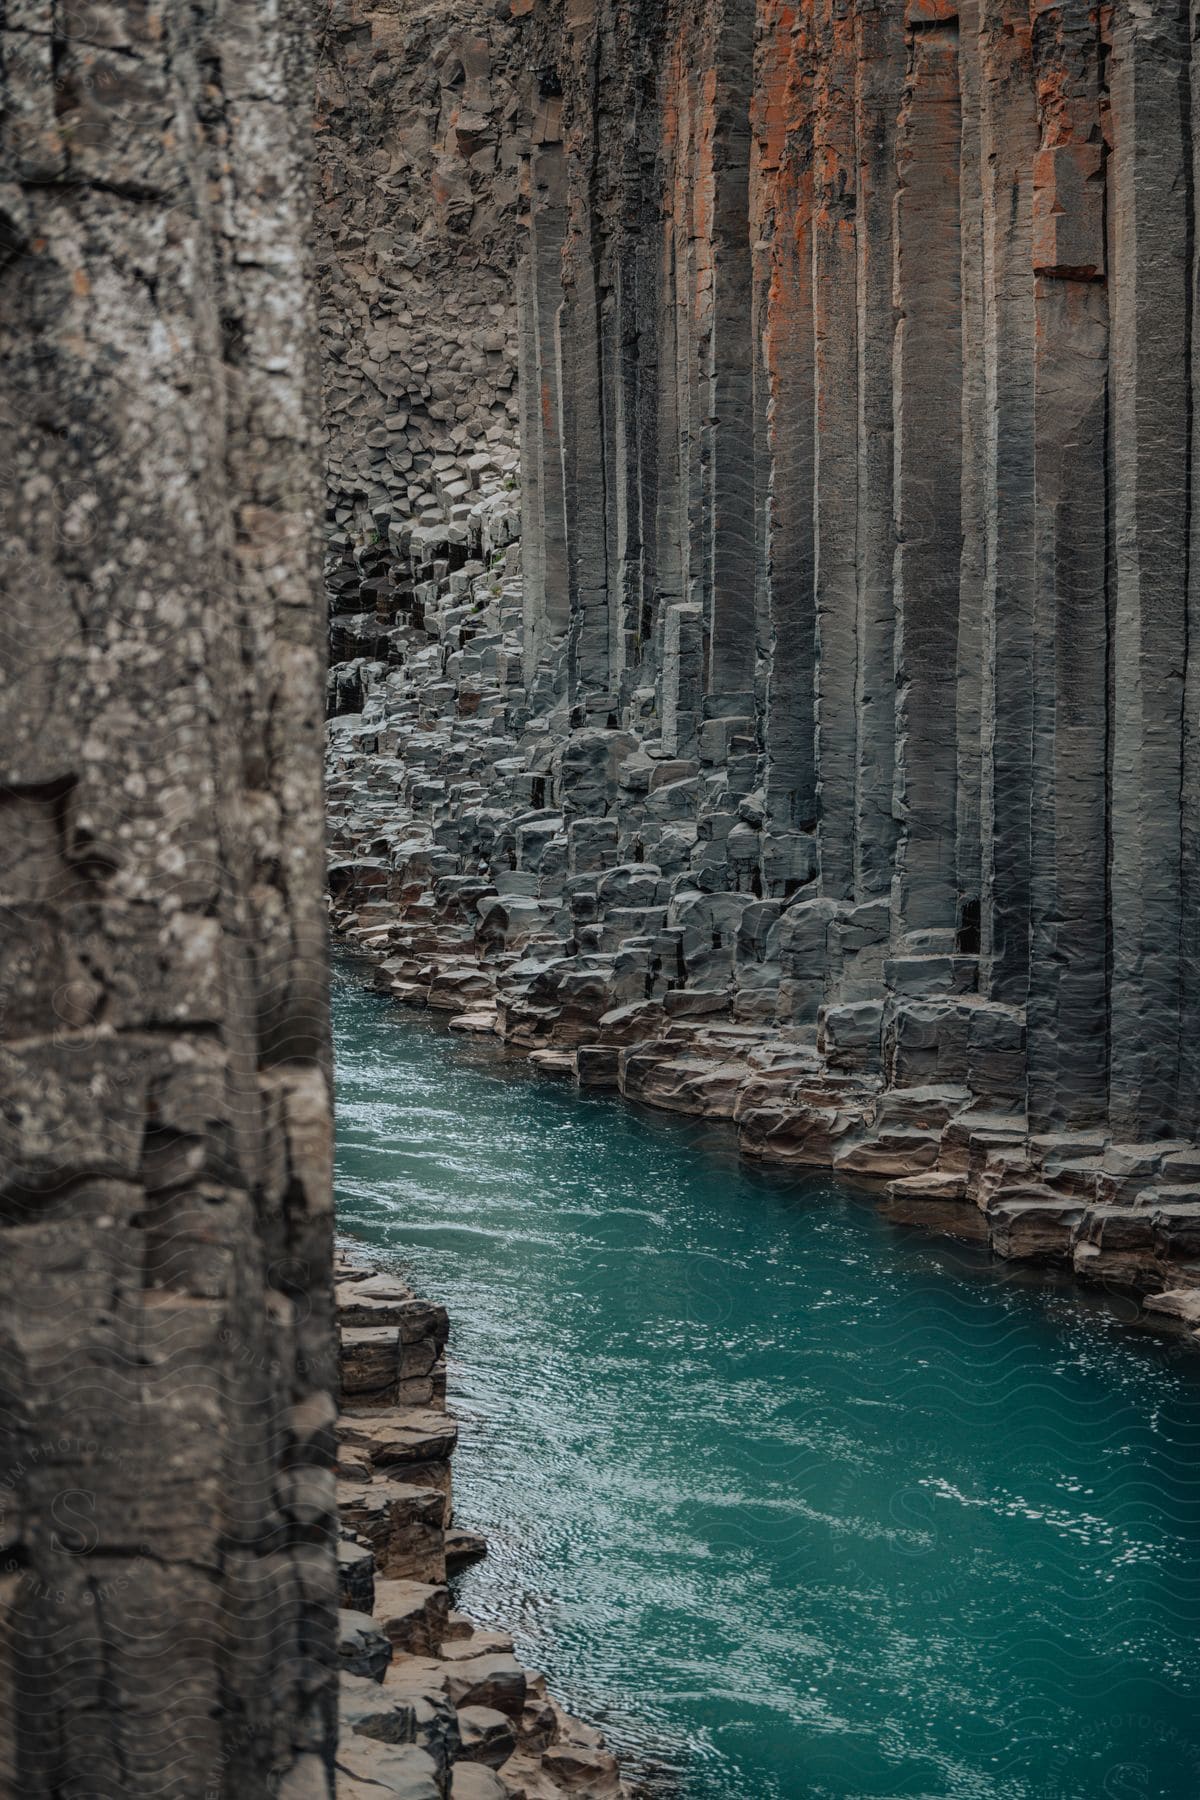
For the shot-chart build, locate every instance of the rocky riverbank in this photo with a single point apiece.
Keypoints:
(432, 1707)
(609, 908)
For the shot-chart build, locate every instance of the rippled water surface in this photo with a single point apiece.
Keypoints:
(792, 1501)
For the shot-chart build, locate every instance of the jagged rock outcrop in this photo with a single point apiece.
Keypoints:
(432, 1706)
(167, 1513)
(829, 762)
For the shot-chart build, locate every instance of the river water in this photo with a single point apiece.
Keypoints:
(792, 1501)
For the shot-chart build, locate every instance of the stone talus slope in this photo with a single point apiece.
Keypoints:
(432, 1707)
(166, 1516)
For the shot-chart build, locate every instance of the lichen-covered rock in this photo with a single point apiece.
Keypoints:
(165, 1147)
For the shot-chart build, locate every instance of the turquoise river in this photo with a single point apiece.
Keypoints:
(792, 1501)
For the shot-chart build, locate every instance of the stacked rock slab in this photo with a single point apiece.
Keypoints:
(832, 764)
(167, 1593)
(432, 1707)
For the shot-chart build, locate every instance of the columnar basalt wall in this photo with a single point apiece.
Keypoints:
(876, 478)
(825, 755)
(167, 1511)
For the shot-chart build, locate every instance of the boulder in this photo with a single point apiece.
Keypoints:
(367, 1770)
(414, 1615)
(356, 1573)
(403, 1525)
(487, 1735)
(362, 1647)
(495, 1680)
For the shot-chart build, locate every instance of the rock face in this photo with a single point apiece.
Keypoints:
(875, 446)
(166, 1356)
(823, 757)
(417, 247)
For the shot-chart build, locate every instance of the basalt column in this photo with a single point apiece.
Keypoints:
(835, 337)
(1189, 1084)
(1009, 141)
(927, 407)
(419, 191)
(879, 62)
(915, 352)
(685, 545)
(1067, 1009)
(540, 293)
(783, 199)
(167, 1573)
(1151, 212)
(585, 327)
(724, 282)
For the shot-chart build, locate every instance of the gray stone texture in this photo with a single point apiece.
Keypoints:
(418, 189)
(166, 1494)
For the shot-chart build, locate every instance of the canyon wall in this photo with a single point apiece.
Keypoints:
(875, 334)
(825, 755)
(167, 1350)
